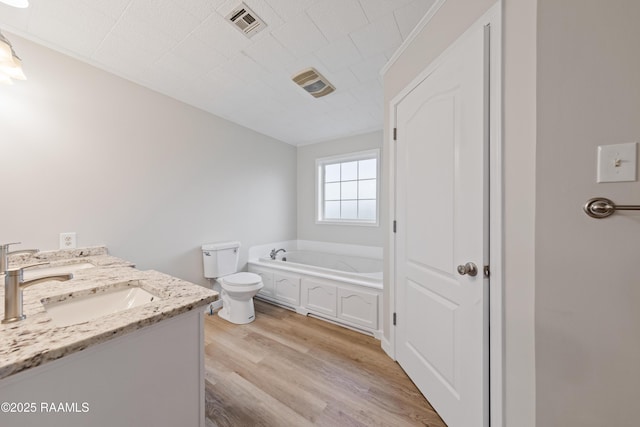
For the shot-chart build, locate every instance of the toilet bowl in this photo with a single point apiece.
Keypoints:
(237, 295)
(220, 262)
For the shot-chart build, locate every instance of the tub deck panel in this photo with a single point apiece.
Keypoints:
(319, 296)
(267, 280)
(358, 307)
(350, 299)
(287, 288)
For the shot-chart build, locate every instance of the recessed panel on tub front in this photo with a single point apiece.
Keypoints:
(267, 280)
(358, 307)
(287, 288)
(320, 297)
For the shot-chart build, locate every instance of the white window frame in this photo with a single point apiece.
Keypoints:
(343, 158)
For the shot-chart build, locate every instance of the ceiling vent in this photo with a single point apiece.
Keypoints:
(245, 20)
(313, 82)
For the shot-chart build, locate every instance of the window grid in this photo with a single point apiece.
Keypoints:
(342, 215)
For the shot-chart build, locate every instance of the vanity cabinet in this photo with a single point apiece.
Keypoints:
(109, 384)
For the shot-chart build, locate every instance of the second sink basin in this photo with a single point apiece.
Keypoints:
(82, 308)
(32, 273)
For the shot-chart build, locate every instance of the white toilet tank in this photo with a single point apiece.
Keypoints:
(220, 259)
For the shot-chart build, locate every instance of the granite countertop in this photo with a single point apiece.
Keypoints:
(37, 339)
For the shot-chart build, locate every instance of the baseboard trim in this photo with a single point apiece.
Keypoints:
(387, 348)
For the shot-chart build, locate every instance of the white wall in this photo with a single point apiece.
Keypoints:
(519, 32)
(519, 173)
(307, 227)
(152, 178)
(587, 287)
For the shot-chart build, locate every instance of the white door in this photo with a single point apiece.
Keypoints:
(442, 223)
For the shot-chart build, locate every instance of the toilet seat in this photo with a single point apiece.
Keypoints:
(241, 279)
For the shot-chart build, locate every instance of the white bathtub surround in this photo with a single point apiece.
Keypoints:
(353, 269)
(261, 251)
(341, 248)
(343, 287)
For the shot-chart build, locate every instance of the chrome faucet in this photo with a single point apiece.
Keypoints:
(14, 284)
(274, 253)
(4, 255)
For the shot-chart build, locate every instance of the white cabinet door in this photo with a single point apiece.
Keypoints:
(319, 297)
(287, 288)
(267, 280)
(358, 307)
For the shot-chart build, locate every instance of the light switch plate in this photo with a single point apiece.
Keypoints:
(617, 162)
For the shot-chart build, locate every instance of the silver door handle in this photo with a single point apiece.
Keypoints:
(469, 268)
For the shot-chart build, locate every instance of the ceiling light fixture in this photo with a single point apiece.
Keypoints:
(16, 3)
(10, 63)
(313, 82)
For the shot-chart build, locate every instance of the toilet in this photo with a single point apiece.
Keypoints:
(237, 290)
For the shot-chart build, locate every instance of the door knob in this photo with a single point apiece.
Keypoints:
(469, 268)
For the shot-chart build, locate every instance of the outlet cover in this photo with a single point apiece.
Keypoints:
(617, 162)
(67, 240)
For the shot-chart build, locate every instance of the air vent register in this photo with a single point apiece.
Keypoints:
(245, 20)
(313, 82)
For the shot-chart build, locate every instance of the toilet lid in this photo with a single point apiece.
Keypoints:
(242, 279)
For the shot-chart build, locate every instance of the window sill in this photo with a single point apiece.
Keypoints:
(347, 222)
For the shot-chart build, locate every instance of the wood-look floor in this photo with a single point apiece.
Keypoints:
(285, 369)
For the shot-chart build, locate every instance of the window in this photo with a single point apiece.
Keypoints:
(348, 188)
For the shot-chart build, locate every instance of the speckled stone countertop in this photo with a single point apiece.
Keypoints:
(37, 340)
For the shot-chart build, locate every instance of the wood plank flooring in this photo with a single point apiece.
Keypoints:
(285, 369)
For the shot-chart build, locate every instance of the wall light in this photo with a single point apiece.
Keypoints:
(16, 3)
(10, 64)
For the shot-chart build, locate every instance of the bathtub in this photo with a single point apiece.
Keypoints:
(360, 270)
(343, 289)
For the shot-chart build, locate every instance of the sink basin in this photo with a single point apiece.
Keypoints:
(32, 273)
(82, 308)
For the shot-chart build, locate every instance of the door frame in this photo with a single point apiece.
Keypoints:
(492, 17)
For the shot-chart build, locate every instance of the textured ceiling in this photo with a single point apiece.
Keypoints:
(186, 50)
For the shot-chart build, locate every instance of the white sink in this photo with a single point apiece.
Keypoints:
(35, 272)
(89, 307)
